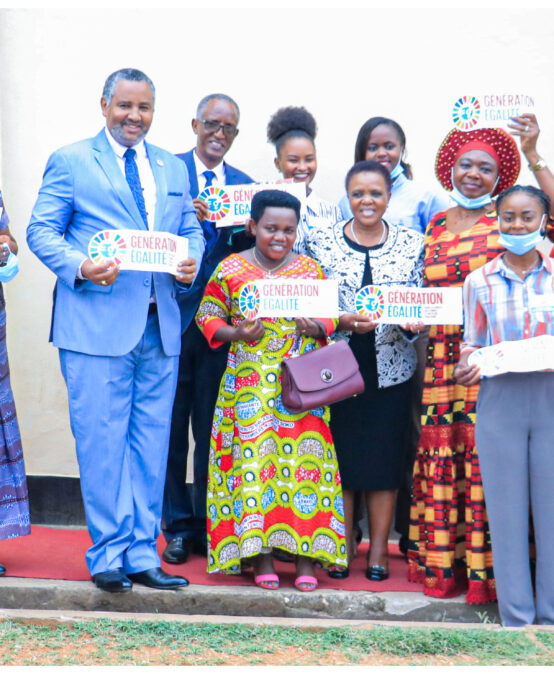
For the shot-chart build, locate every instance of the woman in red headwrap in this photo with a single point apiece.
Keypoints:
(449, 549)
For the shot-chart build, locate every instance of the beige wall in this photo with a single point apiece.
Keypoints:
(343, 65)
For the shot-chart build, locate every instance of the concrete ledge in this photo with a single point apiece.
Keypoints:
(37, 594)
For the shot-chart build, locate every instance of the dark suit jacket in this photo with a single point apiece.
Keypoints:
(226, 243)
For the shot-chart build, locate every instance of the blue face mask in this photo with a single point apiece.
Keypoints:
(10, 269)
(396, 171)
(466, 202)
(519, 244)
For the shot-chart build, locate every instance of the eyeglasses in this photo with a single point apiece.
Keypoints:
(213, 126)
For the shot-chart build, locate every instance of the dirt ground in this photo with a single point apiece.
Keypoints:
(89, 654)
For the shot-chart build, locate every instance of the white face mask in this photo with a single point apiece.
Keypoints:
(466, 202)
(519, 244)
(397, 170)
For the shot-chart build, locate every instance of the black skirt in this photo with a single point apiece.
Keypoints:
(370, 430)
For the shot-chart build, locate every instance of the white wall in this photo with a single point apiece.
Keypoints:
(343, 65)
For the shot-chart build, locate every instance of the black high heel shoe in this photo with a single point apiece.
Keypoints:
(338, 573)
(376, 572)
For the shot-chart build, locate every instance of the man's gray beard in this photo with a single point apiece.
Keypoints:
(117, 133)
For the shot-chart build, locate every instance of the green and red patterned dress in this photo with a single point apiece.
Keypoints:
(273, 478)
(449, 548)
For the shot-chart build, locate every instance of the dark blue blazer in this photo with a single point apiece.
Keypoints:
(226, 242)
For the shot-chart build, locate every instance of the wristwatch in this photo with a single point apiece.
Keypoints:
(538, 166)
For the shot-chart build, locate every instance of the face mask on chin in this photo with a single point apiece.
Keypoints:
(519, 244)
(466, 202)
(396, 171)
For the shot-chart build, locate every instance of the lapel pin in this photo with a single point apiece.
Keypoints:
(159, 162)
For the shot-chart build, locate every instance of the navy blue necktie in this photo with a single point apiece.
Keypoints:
(209, 175)
(210, 232)
(133, 178)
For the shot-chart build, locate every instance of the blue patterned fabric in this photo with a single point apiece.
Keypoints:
(14, 499)
(133, 178)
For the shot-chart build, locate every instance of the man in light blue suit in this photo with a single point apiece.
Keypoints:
(118, 333)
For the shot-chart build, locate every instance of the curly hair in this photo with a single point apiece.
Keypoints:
(290, 122)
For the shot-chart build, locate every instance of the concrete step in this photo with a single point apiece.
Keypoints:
(55, 595)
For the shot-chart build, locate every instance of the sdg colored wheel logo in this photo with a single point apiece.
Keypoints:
(218, 202)
(370, 302)
(249, 301)
(107, 246)
(466, 113)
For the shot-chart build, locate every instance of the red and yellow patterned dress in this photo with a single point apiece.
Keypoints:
(273, 478)
(449, 548)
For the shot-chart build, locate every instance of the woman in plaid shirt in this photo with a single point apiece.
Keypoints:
(511, 299)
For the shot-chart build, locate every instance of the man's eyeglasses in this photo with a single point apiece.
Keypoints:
(212, 126)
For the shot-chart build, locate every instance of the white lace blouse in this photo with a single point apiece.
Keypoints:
(399, 261)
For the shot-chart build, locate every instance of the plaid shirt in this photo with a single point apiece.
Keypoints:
(499, 306)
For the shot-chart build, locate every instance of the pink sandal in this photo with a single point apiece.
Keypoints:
(264, 580)
(310, 581)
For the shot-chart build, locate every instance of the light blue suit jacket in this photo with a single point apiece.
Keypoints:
(84, 191)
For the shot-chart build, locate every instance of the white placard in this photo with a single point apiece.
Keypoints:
(139, 250)
(229, 205)
(491, 109)
(399, 304)
(289, 298)
(524, 355)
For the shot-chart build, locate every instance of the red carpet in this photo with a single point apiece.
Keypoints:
(60, 554)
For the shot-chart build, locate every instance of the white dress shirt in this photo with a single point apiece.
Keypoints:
(219, 170)
(146, 176)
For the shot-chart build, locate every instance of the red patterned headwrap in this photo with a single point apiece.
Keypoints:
(495, 142)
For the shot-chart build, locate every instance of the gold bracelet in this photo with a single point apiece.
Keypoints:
(541, 164)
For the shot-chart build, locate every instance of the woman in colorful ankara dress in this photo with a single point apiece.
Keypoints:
(14, 499)
(273, 476)
(449, 550)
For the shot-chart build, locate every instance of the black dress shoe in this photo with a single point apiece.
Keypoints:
(112, 581)
(376, 572)
(177, 551)
(2, 570)
(158, 579)
(339, 574)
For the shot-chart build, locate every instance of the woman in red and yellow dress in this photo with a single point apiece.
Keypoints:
(449, 549)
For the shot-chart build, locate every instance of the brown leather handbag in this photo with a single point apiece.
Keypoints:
(320, 377)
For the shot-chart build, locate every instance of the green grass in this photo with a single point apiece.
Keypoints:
(127, 642)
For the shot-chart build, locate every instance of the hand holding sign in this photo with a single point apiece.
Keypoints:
(527, 128)
(186, 270)
(307, 327)
(101, 274)
(202, 209)
(357, 323)
(416, 328)
(466, 375)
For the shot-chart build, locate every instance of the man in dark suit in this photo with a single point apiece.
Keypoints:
(118, 332)
(200, 367)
